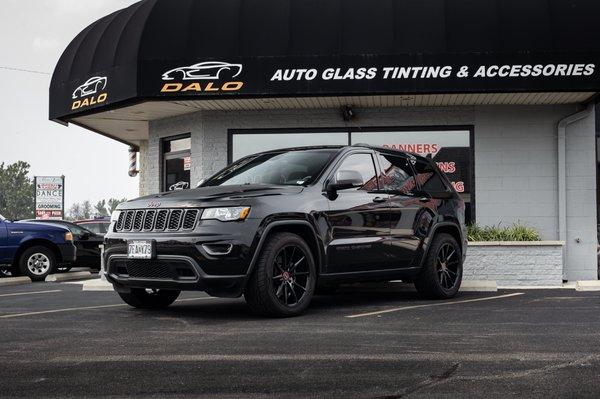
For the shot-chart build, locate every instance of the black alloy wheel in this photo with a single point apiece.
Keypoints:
(447, 265)
(291, 275)
(283, 281)
(441, 273)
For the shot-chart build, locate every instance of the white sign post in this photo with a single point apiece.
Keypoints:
(49, 197)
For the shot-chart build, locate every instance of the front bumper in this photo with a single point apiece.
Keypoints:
(170, 272)
(185, 261)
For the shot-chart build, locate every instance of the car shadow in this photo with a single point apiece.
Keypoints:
(346, 300)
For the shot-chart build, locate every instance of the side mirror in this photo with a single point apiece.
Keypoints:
(201, 182)
(344, 179)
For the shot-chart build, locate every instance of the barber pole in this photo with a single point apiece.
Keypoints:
(133, 170)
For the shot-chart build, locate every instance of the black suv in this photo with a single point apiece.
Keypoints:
(281, 225)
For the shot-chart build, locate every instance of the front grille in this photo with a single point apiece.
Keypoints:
(149, 220)
(189, 220)
(161, 220)
(175, 219)
(157, 220)
(120, 221)
(137, 220)
(128, 221)
(172, 269)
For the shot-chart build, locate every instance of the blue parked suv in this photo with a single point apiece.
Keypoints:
(34, 249)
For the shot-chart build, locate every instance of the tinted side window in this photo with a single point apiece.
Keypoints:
(363, 164)
(428, 178)
(396, 174)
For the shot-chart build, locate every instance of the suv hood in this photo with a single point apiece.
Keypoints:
(199, 197)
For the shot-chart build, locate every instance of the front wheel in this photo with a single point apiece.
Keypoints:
(283, 281)
(441, 275)
(37, 263)
(149, 299)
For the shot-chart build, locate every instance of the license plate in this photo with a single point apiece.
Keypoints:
(140, 249)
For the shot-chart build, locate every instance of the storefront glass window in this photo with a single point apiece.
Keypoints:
(177, 163)
(450, 149)
(246, 144)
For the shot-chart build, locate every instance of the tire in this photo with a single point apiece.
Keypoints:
(284, 277)
(37, 262)
(441, 279)
(149, 299)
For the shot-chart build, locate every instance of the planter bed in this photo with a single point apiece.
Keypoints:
(529, 263)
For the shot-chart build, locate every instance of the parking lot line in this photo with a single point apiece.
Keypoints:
(10, 316)
(30, 293)
(429, 305)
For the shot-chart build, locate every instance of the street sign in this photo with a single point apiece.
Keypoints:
(49, 197)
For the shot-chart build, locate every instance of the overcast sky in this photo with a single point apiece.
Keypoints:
(33, 35)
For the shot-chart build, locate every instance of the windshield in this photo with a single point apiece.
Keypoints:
(292, 168)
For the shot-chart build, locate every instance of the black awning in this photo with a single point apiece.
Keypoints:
(173, 49)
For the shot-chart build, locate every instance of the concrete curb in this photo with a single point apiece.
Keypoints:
(588, 285)
(56, 278)
(10, 281)
(97, 285)
(478, 286)
(536, 287)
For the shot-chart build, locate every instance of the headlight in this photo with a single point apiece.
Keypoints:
(226, 214)
(114, 216)
(68, 236)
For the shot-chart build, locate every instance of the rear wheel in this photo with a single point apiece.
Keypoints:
(283, 281)
(442, 271)
(37, 263)
(149, 299)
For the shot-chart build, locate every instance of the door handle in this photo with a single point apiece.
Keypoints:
(379, 199)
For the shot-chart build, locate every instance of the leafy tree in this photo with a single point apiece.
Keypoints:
(113, 203)
(75, 212)
(100, 208)
(17, 200)
(86, 209)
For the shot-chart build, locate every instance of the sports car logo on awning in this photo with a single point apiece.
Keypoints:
(211, 70)
(91, 86)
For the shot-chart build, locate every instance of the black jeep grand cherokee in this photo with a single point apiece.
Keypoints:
(280, 225)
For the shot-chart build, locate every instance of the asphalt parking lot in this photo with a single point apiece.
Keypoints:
(361, 343)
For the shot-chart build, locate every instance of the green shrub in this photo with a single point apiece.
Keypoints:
(516, 232)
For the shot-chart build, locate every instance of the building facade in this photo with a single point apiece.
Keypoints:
(502, 94)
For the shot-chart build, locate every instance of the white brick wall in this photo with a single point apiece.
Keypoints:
(515, 160)
(515, 265)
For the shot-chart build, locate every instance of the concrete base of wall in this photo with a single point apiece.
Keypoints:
(515, 263)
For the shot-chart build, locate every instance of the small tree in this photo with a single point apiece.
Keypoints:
(100, 208)
(16, 191)
(75, 212)
(113, 203)
(86, 209)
